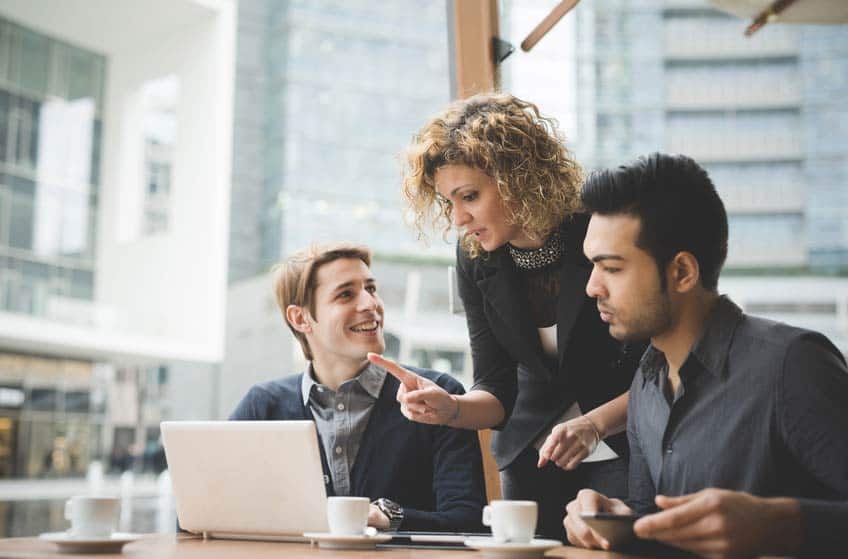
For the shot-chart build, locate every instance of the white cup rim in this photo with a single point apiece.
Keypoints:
(343, 498)
(93, 498)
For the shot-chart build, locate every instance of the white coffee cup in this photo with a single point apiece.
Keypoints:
(92, 517)
(347, 516)
(511, 521)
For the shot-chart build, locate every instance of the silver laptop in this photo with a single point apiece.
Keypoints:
(247, 479)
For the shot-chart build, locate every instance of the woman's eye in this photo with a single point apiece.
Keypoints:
(371, 289)
(470, 197)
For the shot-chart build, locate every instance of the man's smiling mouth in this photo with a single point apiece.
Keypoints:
(369, 326)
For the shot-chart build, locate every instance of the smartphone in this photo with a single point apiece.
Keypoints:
(617, 529)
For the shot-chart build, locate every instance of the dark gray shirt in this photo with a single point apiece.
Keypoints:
(341, 417)
(762, 407)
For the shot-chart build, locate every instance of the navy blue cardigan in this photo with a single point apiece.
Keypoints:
(435, 473)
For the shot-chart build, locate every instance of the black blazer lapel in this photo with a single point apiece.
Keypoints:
(574, 275)
(502, 290)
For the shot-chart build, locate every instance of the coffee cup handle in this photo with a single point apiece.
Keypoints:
(487, 515)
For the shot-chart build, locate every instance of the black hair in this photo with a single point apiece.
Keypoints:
(677, 206)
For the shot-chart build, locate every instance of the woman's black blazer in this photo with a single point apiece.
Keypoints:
(592, 367)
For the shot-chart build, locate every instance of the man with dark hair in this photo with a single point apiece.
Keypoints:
(419, 477)
(737, 425)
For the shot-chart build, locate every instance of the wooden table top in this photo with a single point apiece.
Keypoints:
(170, 546)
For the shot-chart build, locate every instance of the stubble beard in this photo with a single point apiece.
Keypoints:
(653, 319)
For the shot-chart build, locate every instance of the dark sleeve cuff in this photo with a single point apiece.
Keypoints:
(825, 528)
(505, 397)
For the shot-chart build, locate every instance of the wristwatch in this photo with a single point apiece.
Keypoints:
(392, 510)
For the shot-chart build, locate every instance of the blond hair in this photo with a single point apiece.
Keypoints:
(295, 279)
(508, 139)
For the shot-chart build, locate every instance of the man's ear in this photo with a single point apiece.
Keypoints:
(684, 273)
(298, 317)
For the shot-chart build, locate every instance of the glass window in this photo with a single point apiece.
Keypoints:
(82, 284)
(6, 51)
(82, 74)
(43, 399)
(45, 135)
(5, 106)
(34, 64)
(22, 219)
(77, 401)
(160, 98)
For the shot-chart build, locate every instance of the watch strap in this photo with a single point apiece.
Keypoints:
(393, 511)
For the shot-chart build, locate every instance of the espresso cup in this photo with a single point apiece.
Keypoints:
(347, 516)
(511, 521)
(92, 517)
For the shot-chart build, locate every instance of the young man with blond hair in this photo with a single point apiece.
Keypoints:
(419, 477)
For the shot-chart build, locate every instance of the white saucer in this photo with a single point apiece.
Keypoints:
(334, 541)
(76, 544)
(501, 550)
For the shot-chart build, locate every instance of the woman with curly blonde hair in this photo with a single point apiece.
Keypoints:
(548, 377)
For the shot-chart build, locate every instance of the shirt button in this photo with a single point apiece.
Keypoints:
(668, 450)
(320, 389)
(338, 450)
(326, 480)
(340, 407)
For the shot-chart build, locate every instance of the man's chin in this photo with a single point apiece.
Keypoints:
(620, 334)
(375, 346)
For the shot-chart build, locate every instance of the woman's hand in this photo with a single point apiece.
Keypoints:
(421, 399)
(569, 443)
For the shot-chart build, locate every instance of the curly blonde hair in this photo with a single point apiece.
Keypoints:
(508, 139)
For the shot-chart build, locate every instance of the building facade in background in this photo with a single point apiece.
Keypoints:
(766, 115)
(114, 166)
(328, 94)
(51, 121)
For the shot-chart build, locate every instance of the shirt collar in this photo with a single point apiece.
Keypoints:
(371, 379)
(711, 348)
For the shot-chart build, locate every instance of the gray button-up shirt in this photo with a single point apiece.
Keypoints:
(762, 407)
(341, 418)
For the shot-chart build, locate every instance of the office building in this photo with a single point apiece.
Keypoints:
(115, 130)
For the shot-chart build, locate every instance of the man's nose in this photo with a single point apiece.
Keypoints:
(594, 288)
(367, 301)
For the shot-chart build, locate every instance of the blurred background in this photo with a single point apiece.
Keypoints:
(156, 158)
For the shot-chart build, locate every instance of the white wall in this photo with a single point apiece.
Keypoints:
(166, 293)
(173, 284)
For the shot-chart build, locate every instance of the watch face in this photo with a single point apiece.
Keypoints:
(391, 508)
